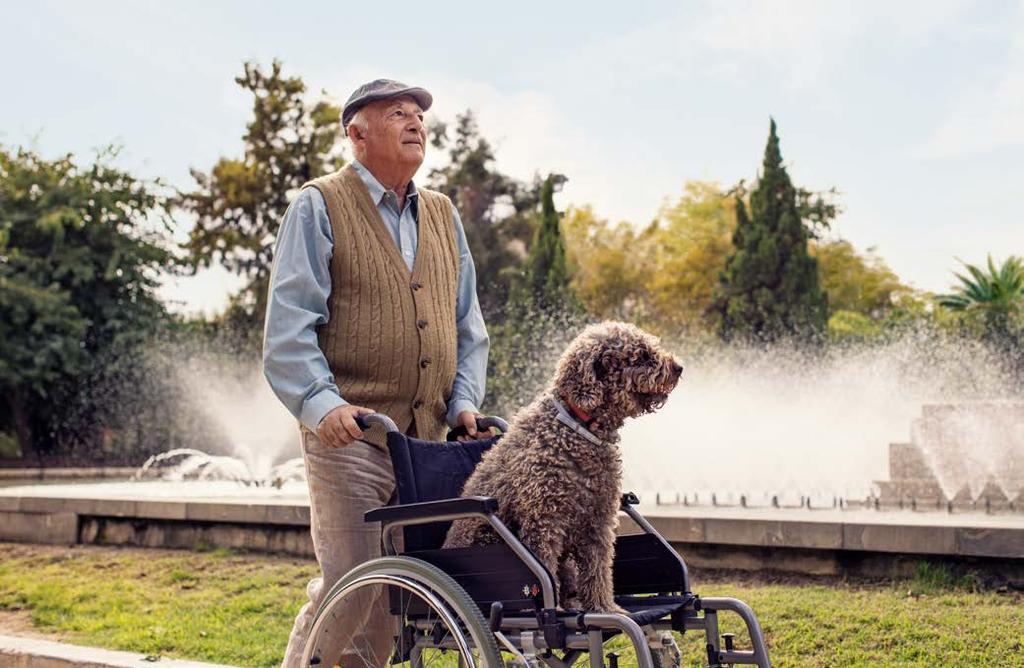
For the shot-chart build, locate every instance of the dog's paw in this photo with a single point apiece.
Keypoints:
(572, 603)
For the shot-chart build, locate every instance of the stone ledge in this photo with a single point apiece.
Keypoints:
(18, 652)
(67, 473)
(217, 510)
(903, 533)
(47, 528)
(281, 525)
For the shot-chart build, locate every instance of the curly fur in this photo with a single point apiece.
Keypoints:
(558, 491)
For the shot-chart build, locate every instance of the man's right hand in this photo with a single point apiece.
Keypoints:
(339, 428)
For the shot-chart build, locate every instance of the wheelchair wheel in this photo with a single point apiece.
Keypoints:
(423, 619)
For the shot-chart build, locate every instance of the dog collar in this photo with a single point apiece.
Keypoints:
(580, 414)
(566, 418)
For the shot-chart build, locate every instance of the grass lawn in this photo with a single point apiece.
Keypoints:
(238, 609)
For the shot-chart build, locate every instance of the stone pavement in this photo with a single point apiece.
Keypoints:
(32, 653)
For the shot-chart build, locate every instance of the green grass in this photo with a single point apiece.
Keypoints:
(213, 606)
(238, 609)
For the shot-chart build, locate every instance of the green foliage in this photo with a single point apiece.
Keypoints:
(9, 447)
(769, 289)
(496, 210)
(663, 276)
(546, 276)
(239, 204)
(541, 315)
(844, 326)
(78, 265)
(603, 260)
(994, 299)
(858, 282)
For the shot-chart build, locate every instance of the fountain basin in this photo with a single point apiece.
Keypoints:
(196, 515)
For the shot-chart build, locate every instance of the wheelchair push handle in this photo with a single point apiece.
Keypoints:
(367, 420)
(482, 424)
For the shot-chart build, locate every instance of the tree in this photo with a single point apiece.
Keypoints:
(496, 210)
(546, 274)
(603, 260)
(690, 246)
(240, 203)
(994, 299)
(541, 312)
(662, 276)
(78, 269)
(769, 289)
(858, 282)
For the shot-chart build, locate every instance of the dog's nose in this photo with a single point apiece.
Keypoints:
(677, 369)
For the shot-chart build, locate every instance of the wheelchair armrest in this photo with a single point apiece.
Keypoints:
(444, 510)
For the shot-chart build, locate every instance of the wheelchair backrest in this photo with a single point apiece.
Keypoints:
(429, 471)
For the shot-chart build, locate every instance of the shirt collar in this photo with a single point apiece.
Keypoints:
(377, 191)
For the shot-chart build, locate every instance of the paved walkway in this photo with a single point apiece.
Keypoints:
(18, 652)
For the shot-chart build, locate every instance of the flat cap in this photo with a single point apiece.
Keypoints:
(382, 89)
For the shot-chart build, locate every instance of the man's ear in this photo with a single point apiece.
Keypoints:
(354, 133)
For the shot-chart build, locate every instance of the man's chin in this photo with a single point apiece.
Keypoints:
(412, 158)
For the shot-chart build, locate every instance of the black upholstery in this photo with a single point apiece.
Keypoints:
(412, 511)
(643, 565)
(429, 471)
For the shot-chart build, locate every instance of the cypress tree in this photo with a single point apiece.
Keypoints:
(546, 275)
(541, 315)
(769, 289)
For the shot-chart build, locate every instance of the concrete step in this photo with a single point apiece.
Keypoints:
(18, 652)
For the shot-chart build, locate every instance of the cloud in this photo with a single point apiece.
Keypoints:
(989, 115)
(806, 40)
(531, 133)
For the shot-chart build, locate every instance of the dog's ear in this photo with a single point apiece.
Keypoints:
(586, 390)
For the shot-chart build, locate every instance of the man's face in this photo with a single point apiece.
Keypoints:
(395, 133)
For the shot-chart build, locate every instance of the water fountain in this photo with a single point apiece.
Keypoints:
(763, 450)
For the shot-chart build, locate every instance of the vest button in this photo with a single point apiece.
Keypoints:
(417, 286)
(422, 324)
(418, 403)
(425, 362)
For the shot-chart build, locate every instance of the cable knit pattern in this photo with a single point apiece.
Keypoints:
(391, 339)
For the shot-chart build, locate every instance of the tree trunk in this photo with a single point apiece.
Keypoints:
(22, 424)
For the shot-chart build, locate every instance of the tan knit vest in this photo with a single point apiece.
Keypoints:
(390, 339)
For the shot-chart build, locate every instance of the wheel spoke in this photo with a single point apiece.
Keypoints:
(415, 611)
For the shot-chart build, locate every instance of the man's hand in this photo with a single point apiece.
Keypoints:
(467, 419)
(339, 428)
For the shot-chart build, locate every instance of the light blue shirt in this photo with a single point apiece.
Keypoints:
(300, 284)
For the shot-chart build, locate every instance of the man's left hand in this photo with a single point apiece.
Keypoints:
(467, 419)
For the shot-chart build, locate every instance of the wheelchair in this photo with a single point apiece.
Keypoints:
(494, 605)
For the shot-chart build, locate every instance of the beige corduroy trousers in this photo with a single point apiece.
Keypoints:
(344, 483)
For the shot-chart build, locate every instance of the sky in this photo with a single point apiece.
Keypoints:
(913, 110)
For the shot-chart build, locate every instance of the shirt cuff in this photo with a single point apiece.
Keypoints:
(456, 407)
(317, 406)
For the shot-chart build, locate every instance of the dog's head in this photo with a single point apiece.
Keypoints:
(615, 370)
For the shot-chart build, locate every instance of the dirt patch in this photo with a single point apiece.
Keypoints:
(19, 623)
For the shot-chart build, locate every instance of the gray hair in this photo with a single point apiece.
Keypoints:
(359, 120)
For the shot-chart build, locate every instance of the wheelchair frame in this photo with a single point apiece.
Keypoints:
(533, 638)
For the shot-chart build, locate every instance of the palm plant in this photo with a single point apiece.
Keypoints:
(997, 296)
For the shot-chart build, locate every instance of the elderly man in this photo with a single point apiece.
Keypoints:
(372, 308)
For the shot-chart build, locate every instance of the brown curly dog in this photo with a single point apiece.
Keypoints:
(557, 472)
